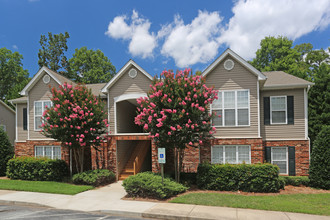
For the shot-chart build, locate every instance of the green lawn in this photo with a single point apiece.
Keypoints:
(318, 204)
(43, 186)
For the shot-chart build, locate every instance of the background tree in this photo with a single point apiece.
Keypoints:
(175, 113)
(91, 66)
(52, 52)
(319, 170)
(6, 152)
(13, 77)
(319, 100)
(277, 54)
(76, 119)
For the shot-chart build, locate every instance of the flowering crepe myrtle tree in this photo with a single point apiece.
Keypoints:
(176, 113)
(76, 118)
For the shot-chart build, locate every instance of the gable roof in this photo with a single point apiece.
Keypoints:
(96, 88)
(57, 77)
(6, 106)
(282, 80)
(243, 62)
(121, 72)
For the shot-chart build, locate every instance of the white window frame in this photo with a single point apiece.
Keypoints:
(42, 110)
(236, 108)
(286, 160)
(4, 128)
(224, 153)
(43, 151)
(285, 109)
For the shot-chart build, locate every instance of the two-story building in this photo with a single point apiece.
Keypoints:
(263, 118)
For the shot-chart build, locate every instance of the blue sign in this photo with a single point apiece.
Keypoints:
(161, 155)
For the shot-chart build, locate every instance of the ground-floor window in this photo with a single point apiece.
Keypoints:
(52, 152)
(279, 157)
(233, 154)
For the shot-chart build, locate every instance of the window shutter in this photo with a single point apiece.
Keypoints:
(290, 111)
(25, 119)
(292, 161)
(268, 154)
(266, 111)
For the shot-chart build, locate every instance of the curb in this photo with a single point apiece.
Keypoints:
(6, 202)
(120, 213)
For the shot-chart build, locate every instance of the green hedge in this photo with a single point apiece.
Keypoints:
(149, 185)
(295, 180)
(39, 169)
(94, 177)
(319, 169)
(6, 152)
(244, 177)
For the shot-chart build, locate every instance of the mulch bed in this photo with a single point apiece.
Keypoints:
(287, 190)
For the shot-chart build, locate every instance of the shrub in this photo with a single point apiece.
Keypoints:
(150, 185)
(319, 170)
(188, 179)
(295, 180)
(94, 177)
(39, 169)
(6, 151)
(244, 177)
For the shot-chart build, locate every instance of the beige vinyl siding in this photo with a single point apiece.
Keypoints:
(295, 131)
(7, 118)
(236, 79)
(126, 85)
(40, 91)
(21, 134)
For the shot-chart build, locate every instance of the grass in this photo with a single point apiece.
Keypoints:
(43, 186)
(318, 204)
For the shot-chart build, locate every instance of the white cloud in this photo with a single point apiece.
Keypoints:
(192, 43)
(142, 43)
(255, 19)
(15, 47)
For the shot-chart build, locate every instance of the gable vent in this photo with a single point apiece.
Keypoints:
(229, 64)
(46, 79)
(132, 73)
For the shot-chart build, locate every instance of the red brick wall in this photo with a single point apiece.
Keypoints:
(106, 157)
(301, 151)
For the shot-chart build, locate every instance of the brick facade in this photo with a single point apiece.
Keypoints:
(106, 155)
(301, 153)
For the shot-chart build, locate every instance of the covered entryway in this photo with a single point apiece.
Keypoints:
(133, 156)
(125, 113)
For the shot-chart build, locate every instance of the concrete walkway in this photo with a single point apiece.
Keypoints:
(108, 200)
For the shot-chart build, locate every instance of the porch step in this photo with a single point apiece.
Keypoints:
(125, 174)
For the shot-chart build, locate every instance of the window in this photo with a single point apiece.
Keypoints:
(24, 119)
(279, 157)
(52, 152)
(231, 108)
(234, 154)
(39, 108)
(278, 110)
(3, 127)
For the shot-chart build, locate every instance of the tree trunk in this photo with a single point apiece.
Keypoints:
(180, 155)
(176, 164)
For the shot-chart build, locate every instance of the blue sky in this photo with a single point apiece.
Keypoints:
(161, 34)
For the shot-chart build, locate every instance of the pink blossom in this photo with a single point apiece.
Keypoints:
(173, 128)
(169, 133)
(190, 143)
(145, 126)
(200, 142)
(91, 114)
(169, 100)
(156, 135)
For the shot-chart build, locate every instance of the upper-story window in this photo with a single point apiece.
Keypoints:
(232, 108)
(39, 108)
(278, 109)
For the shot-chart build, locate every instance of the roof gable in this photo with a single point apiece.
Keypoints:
(121, 72)
(57, 77)
(6, 106)
(243, 62)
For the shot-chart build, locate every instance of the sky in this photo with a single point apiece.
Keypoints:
(160, 35)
